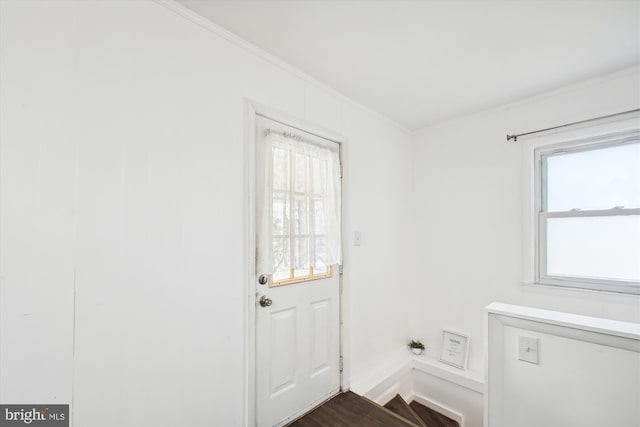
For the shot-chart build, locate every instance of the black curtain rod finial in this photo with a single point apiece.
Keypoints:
(514, 137)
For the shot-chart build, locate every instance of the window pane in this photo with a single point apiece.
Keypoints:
(281, 256)
(320, 255)
(280, 214)
(300, 179)
(318, 216)
(280, 169)
(594, 179)
(301, 255)
(594, 247)
(300, 215)
(319, 178)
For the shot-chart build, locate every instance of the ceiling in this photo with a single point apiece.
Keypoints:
(423, 62)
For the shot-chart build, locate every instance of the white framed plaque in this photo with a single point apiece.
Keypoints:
(455, 349)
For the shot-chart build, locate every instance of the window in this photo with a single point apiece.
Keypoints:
(298, 196)
(299, 210)
(588, 214)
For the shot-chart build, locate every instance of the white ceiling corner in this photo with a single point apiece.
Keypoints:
(423, 62)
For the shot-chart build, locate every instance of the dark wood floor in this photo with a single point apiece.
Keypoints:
(398, 406)
(350, 410)
(431, 417)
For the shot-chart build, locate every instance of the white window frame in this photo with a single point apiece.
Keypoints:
(534, 151)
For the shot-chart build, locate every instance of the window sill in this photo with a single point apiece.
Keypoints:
(582, 287)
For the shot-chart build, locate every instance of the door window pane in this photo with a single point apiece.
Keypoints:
(318, 216)
(320, 255)
(280, 214)
(280, 169)
(300, 215)
(281, 258)
(319, 177)
(301, 257)
(301, 175)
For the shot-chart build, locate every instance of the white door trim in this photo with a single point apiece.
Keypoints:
(252, 110)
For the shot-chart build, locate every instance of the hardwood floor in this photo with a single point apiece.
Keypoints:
(399, 406)
(350, 410)
(431, 417)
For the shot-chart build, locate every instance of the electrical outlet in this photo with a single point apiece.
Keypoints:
(528, 349)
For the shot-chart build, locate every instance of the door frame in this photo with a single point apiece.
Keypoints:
(252, 111)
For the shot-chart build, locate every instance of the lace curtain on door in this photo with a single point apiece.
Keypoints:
(298, 212)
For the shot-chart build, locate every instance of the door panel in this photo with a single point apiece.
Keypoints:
(297, 345)
(283, 350)
(320, 328)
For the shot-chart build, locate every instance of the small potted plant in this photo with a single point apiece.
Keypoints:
(416, 347)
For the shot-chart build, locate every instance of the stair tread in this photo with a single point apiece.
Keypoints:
(402, 408)
(350, 410)
(431, 417)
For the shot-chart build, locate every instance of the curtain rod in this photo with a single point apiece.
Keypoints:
(324, 144)
(297, 128)
(515, 137)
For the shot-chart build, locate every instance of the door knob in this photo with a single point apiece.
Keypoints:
(264, 301)
(263, 279)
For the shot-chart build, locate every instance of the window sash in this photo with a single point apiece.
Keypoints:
(543, 154)
(587, 213)
(541, 275)
(611, 285)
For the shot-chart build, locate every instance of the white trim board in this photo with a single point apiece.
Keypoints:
(453, 392)
(250, 267)
(574, 321)
(374, 385)
(403, 362)
(471, 380)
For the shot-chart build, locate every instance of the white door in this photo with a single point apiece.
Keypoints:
(298, 295)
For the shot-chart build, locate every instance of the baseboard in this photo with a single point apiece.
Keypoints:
(464, 378)
(399, 383)
(455, 393)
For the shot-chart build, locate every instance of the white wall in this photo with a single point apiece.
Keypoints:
(577, 384)
(469, 221)
(587, 371)
(122, 215)
(37, 208)
(122, 212)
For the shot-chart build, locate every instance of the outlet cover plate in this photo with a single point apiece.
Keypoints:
(528, 349)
